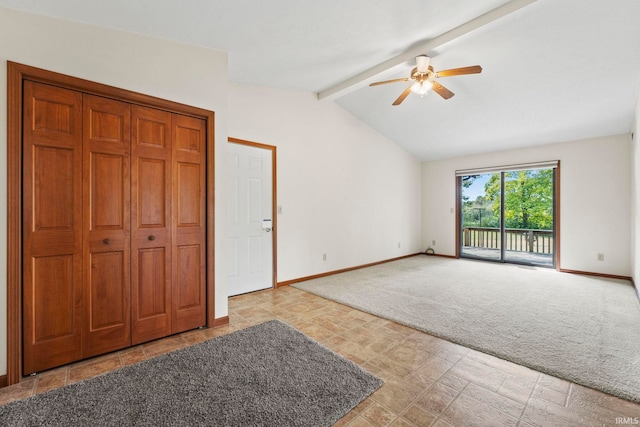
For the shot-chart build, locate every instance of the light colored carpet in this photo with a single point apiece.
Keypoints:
(266, 375)
(580, 328)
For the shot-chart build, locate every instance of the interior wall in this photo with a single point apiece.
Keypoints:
(595, 206)
(345, 190)
(173, 71)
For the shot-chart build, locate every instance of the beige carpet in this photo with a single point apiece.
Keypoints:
(580, 328)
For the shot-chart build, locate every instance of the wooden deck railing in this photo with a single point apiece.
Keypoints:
(536, 241)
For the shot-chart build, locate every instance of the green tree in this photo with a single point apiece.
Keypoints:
(479, 213)
(467, 181)
(528, 198)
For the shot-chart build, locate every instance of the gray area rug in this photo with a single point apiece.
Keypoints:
(266, 375)
(580, 328)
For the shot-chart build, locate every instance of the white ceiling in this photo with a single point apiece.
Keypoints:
(555, 70)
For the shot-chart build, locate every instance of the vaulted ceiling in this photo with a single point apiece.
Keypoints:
(553, 70)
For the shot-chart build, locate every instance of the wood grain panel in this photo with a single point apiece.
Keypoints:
(106, 125)
(52, 232)
(152, 127)
(188, 136)
(107, 290)
(152, 197)
(189, 228)
(56, 313)
(188, 280)
(107, 233)
(189, 192)
(151, 210)
(152, 281)
(52, 116)
(109, 191)
(53, 186)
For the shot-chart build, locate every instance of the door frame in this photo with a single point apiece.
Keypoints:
(274, 208)
(16, 74)
(556, 218)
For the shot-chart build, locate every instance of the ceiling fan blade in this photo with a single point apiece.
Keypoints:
(402, 96)
(389, 81)
(441, 90)
(474, 69)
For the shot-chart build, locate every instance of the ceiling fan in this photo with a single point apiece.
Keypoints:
(424, 78)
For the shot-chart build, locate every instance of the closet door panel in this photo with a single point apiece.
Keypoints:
(108, 308)
(151, 229)
(189, 136)
(188, 277)
(107, 189)
(52, 227)
(108, 175)
(114, 224)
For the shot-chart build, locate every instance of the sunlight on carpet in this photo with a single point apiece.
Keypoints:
(580, 328)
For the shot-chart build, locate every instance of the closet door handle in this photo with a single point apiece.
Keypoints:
(152, 237)
(106, 241)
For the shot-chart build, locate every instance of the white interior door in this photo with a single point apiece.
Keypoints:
(249, 222)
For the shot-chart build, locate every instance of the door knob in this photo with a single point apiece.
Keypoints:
(106, 241)
(152, 237)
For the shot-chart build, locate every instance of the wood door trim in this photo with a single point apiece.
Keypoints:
(16, 74)
(274, 208)
(14, 223)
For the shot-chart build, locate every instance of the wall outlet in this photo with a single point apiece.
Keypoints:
(324, 257)
(433, 243)
(600, 257)
(398, 245)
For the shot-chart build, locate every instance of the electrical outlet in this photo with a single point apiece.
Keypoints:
(433, 243)
(324, 257)
(280, 210)
(398, 245)
(600, 257)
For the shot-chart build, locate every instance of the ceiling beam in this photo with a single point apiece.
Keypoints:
(365, 77)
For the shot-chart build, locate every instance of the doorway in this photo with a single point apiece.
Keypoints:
(509, 214)
(251, 216)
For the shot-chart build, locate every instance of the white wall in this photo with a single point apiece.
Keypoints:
(344, 189)
(595, 206)
(173, 71)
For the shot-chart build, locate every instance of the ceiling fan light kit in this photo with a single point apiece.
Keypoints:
(424, 78)
(421, 88)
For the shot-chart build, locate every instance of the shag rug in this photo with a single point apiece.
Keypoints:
(266, 375)
(581, 328)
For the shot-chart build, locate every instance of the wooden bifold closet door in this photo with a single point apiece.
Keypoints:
(114, 234)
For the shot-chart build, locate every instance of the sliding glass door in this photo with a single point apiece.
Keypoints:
(481, 219)
(508, 215)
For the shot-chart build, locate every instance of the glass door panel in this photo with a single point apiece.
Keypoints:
(528, 216)
(481, 217)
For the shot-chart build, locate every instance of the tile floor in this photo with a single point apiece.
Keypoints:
(428, 381)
